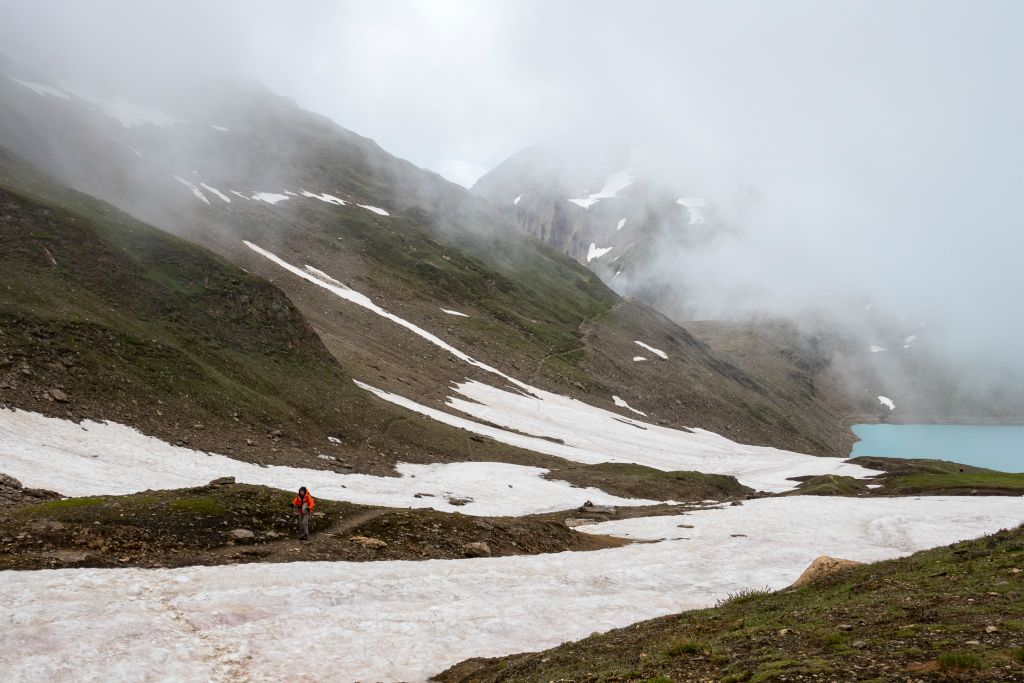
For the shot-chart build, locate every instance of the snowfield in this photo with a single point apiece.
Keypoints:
(390, 621)
(104, 458)
(593, 435)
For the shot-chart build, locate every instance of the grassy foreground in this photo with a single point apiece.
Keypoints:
(952, 613)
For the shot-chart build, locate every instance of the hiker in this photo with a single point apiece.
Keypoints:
(303, 505)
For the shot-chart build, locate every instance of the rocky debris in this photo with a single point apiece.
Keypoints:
(423, 495)
(824, 566)
(241, 534)
(478, 549)
(459, 501)
(597, 509)
(991, 629)
(573, 522)
(222, 481)
(57, 395)
(13, 493)
(685, 526)
(368, 542)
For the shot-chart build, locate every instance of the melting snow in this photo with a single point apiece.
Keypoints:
(450, 312)
(638, 358)
(616, 183)
(516, 200)
(622, 222)
(195, 190)
(657, 352)
(222, 129)
(106, 458)
(40, 89)
(622, 404)
(409, 620)
(693, 206)
(321, 279)
(887, 402)
(877, 349)
(375, 209)
(596, 252)
(593, 435)
(329, 198)
(269, 197)
(217, 192)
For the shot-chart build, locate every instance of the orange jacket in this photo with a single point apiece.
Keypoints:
(307, 500)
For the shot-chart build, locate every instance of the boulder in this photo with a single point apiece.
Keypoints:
(824, 566)
(477, 549)
(241, 534)
(57, 395)
(573, 522)
(222, 481)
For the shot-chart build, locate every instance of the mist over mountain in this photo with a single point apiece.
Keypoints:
(879, 141)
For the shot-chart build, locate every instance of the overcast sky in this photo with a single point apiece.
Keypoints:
(886, 136)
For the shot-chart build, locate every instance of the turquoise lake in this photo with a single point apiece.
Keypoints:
(997, 448)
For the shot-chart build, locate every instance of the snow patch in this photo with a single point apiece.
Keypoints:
(456, 313)
(516, 200)
(222, 129)
(622, 404)
(887, 402)
(328, 198)
(615, 183)
(217, 192)
(622, 222)
(596, 252)
(40, 89)
(656, 352)
(235, 192)
(877, 349)
(693, 206)
(195, 190)
(269, 197)
(375, 209)
(638, 359)
(128, 114)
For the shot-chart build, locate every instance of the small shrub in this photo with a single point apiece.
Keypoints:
(742, 595)
(684, 647)
(833, 640)
(959, 660)
(1018, 654)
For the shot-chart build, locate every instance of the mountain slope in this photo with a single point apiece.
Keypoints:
(644, 227)
(104, 317)
(313, 194)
